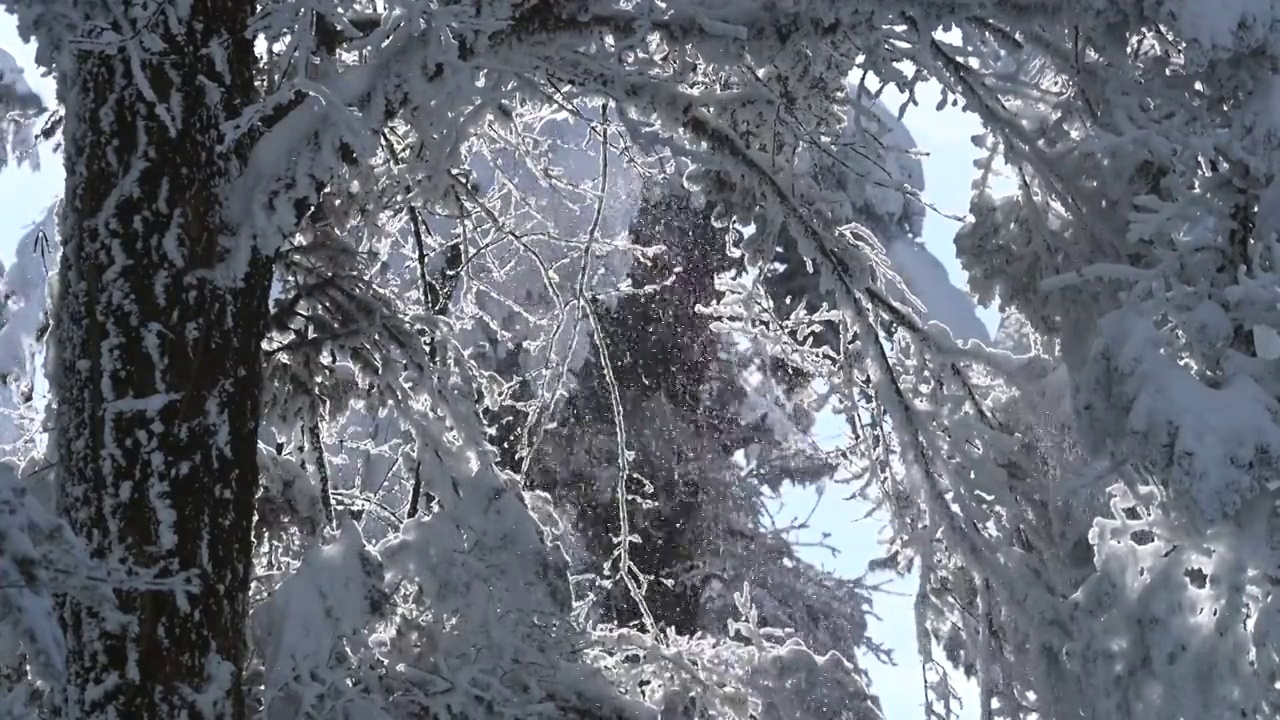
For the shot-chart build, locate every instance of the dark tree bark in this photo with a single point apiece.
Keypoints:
(158, 363)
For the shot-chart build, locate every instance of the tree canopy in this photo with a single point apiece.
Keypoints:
(419, 358)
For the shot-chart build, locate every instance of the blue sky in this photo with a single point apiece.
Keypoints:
(945, 136)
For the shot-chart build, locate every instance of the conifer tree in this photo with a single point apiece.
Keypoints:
(708, 437)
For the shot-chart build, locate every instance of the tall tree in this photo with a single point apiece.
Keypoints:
(159, 359)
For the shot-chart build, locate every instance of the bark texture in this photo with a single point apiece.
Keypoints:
(158, 366)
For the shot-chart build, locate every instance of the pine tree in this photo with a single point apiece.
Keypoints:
(703, 451)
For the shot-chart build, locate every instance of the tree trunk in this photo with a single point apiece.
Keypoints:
(158, 366)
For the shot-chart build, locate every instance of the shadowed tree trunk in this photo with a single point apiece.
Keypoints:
(665, 359)
(158, 366)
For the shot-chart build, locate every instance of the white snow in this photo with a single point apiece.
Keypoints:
(1212, 445)
(331, 597)
(1266, 341)
(1225, 24)
(945, 304)
(889, 196)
